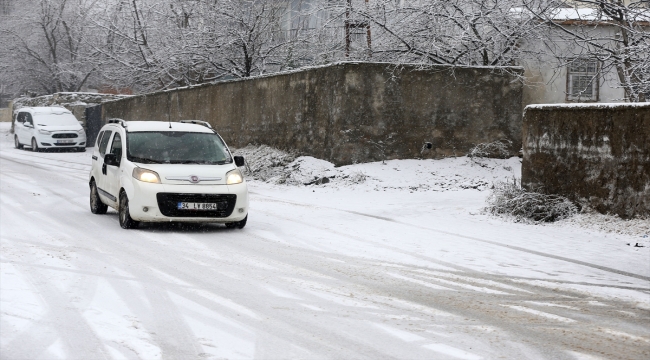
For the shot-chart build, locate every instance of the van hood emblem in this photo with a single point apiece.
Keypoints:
(194, 179)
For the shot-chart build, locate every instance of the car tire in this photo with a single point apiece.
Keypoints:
(238, 224)
(96, 204)
(35, 147)
(17, 143)
(126, 222)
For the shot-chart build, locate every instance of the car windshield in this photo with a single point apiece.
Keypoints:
(55, 119)
(175, 147)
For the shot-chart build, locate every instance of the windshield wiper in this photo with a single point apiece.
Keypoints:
(187, 162)
(199, 162)
(145, 160)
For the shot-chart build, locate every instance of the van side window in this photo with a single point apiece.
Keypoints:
(99, 138)
(21, 117)
(104, 143)
(116, 147)
(28, 119)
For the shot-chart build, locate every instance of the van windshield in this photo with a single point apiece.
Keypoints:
(175, 147)
(55, 119)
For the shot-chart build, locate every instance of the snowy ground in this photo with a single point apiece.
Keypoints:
(385, 261)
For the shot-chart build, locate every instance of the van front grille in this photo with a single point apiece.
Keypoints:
(168, 204)
(65, 136)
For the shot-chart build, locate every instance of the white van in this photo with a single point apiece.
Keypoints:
(48, 128)
(153, 171)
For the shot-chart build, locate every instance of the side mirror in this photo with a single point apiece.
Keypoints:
(111, 160)
(239, 161)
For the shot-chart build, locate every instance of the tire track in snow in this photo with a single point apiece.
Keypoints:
(27, 154)
(512, 247)
(42, 166)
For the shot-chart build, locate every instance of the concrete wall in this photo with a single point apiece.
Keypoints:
(596, 154)
(349, 112)
(5, 114)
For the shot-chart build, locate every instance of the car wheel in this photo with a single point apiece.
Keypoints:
(125, 217)
(96, 204)
(17, 143)
(238, 224)
(35, 145)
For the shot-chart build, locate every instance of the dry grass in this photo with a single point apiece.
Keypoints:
(510, 199)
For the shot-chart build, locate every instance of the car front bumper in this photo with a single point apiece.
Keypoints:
(47, 141)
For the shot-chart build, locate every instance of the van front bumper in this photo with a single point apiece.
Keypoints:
(157, 202)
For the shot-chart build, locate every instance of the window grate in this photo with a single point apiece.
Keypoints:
(582, 80)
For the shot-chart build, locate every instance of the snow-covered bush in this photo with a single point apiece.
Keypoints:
(357, 177)
(510, 199)
(499, 149)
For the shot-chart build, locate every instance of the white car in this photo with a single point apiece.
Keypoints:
(155, 171)
(48, 128)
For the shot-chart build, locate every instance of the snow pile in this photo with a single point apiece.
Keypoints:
(637, 228)
(274, 166)
(265, 163)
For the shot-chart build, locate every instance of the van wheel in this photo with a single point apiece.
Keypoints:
(238, 224)
(35, 145)
(126, 222)
(17, 143)
(96, 204)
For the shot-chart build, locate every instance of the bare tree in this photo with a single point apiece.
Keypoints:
(449, 32)
(45, 45)
(171, 43)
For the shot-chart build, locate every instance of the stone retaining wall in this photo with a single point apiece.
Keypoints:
(595, 154)
(349, 112)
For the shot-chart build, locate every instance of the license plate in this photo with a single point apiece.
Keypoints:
(64, 141)
(197, 206)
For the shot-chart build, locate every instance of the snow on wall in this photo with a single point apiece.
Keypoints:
(596, 154)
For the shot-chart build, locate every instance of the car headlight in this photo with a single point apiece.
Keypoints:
(146, 175)
(234, 177)
(44, 132)
(80, 131)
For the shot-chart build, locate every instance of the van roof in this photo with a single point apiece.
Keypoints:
(140, 126)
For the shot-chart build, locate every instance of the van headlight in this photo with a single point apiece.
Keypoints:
(44, 132)
(145, 175)
(80, 131)
(234, 177)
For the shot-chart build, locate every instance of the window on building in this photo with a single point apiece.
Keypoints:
(583, 80)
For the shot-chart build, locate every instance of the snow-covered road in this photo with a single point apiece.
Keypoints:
(319, 272)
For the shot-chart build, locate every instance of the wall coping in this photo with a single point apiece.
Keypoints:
(586, 106)
(412, 66)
